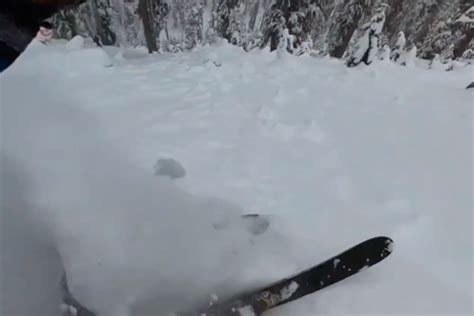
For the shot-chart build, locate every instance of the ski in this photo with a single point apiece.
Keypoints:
(331, 271)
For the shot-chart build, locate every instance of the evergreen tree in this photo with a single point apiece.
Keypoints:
(399, 48)
(464, 29)
(192, 24)
(367, 46)
(468, 54)
(410, 59)
(331, 27)
(73, 22)
(104, 18)
(343, 25)
(133, 34)
(273, 26)
(385, 53)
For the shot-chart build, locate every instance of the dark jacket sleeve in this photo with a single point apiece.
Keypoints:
(20, 19)
(56, 3)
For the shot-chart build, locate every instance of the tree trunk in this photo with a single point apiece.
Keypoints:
(145, 9)
(97, 30)
(463, 44)
(344, 25)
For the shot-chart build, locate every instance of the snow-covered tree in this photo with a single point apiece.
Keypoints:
(273, 26)
(467, 17)
(344, 23)
(132, 27)
(105, 18)
(232, 18)
(305, 20)
(192, 24)
(468, 54)
(160, 10)
(327, 26)
(367, 46)
(399, 48)
(73, 22)
(385, 53)
(410, 59)
(286, 43)
(464, 29)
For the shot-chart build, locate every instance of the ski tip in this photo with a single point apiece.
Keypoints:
(386, 243)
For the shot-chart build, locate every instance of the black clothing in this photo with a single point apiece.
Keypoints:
(20, 21)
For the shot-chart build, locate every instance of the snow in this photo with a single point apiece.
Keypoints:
(401, 41)
(410, 58)
(77, 42)
(367, 45)
(333, 156)
(436, 64)
(378, 21)
(399, 49)
(385, 54)
(288, 291)
(246, 311)
(467, 17)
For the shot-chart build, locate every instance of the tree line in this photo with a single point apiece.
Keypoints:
(328, 27)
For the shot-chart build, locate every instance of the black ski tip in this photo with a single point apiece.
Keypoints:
(385, 243)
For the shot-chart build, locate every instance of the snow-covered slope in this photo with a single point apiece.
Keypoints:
(333, 155)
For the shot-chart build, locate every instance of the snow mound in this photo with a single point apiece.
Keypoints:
(169, 167)
(77, 42)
